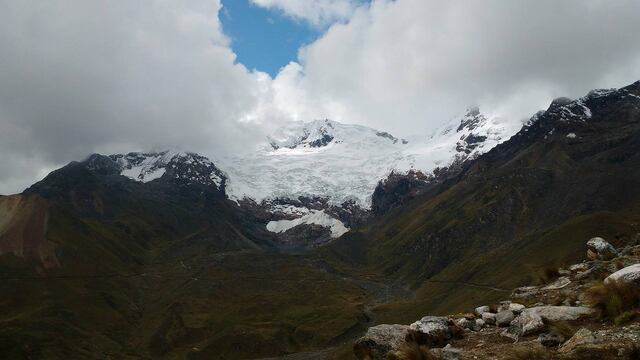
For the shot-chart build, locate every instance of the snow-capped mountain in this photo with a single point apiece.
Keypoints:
(341, 162)
(184, 167)
(317, 169)
(320, 173)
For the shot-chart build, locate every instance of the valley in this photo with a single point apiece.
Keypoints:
(173, 255)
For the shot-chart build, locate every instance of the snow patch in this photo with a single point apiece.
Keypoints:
(145, 167)
(318, 217)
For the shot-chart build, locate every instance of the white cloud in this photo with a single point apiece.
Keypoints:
(79, 76)
(408, 65)
(83, 76)
(315, 12)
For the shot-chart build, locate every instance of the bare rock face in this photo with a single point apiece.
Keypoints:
(599, 249)
(628, 274)
(379, 340)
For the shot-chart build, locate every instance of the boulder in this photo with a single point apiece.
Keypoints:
(433, 331)
(627, 274)
(550, 340)
(478, 325)
(481, 310)
(508, 305)
(450, 353)
(489, 318)
(599, 249)
(504, 318)
(526, 323)
(559, 313)
(465, 323)
(581, 337)
(529, 322)
(379, 340)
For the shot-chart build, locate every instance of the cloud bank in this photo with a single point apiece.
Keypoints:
(78, 77)
(406, 65)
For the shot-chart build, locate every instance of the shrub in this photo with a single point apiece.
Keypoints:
(625, 317)
(613, 299)
(546, 275)
(411, 351)
(562, 328)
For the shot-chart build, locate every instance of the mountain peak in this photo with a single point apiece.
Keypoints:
(319, 134)
(183, 167)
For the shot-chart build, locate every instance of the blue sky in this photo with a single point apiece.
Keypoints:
(264, 39)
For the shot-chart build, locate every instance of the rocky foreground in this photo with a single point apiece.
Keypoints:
(589, 310)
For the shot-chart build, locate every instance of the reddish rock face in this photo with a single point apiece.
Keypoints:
(23, 228)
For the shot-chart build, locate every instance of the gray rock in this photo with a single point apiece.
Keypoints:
(525, 292)
(481, 310)
(478, 325)
(526, 323)
(550, 340)
(628, 274)
(466, 323)
(581, 337)
(559, 313)
(431, 331)
(504, 318)
(589, 273)
(529, 323)
(579, 267)
(558, 284)
(599, 249)
(516, 308)
(508, 305)
(489, 318)
(450, 353)
(379, 340)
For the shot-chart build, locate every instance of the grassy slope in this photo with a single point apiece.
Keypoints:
(530, 204)
(139, 282)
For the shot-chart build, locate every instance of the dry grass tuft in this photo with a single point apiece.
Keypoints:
(411, 351)
(546, 275)
(562, 328)
(617, 301)
(529, 354)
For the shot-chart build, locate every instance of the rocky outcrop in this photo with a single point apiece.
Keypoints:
(533, 320)
(547, 326)
(379, 340)
(433, 331)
